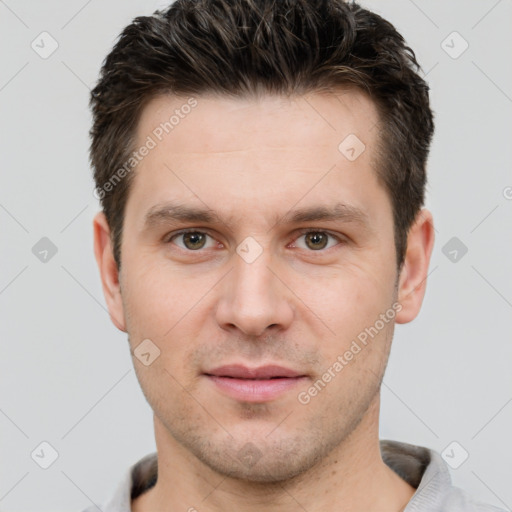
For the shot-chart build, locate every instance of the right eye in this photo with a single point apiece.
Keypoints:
(192, 240)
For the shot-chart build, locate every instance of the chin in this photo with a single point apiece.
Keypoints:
(263, 463)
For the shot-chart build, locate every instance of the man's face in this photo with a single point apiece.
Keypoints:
(252, 287)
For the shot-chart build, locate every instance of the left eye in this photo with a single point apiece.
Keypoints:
(317, 240)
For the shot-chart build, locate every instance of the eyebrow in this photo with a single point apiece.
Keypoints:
(338, 212)
(172, 212)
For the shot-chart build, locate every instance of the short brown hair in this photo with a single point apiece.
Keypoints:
(241, 47)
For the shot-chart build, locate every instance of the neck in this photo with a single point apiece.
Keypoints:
(352, 477)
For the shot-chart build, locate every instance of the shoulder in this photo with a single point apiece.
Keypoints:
(426, 470)
(138, 478)
(457, 499)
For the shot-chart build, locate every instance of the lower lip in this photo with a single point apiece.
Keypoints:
(255, 390)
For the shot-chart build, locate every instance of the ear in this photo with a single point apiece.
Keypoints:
(413, 277)
(108, 270)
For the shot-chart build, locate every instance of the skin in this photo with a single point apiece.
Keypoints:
(299, 305)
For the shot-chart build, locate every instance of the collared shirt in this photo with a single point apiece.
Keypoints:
(423, 468)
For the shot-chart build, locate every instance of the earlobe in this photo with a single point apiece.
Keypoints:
(108, 270)
(413, 277)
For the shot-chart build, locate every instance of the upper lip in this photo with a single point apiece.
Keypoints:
(237, 371)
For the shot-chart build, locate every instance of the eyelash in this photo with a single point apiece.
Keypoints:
(169, 238)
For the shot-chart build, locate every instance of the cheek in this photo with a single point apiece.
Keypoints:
(346, 299)
(155, 298)
(170, 376)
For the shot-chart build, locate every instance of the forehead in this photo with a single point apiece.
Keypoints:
(257, 153)
(244, 124)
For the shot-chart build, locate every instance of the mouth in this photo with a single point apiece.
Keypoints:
(236, 371)
(261, 384)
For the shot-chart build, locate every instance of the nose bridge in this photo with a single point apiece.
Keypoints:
(253, 298)
(252, 277)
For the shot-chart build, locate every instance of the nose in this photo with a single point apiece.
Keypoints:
(253, 298)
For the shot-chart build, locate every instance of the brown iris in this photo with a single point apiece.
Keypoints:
(316, 240)
(194, 240)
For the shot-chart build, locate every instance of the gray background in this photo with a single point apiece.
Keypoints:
(66, 373)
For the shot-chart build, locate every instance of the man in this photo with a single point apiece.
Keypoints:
(261, 170)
